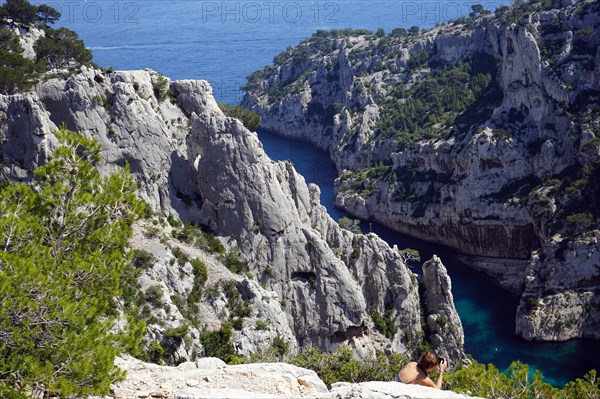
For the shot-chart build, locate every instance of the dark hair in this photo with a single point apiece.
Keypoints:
(428, 361)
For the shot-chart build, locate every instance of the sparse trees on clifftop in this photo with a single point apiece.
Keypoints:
(26, 13)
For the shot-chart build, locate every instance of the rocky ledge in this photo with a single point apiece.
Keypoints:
(210, 378)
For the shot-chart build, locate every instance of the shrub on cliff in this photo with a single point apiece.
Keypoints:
(194, 235)
(46, 14)
(17, 73)
(517, 383)
(350, 224)
(476, 379)
(248, 118)
(161, 87)
(64, 238)
(218, 343)
(342, 366)
(9, 41)
(20, 11)
(477, 11)
(61, 48)
(463, 94)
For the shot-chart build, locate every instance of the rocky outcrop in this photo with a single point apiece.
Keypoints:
(122, 112)
(487, 179)
(27, 37)
(211, 378)
(336, 277)
(443, 323)
(470, 167)
(316, 283)
(175, 280)
(561, 300)
(389, 390)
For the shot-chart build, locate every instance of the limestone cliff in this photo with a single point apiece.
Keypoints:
(443, 323)
(481, 134)
(562, 298)
(293, 274)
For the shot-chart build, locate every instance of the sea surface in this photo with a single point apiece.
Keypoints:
(224, 41)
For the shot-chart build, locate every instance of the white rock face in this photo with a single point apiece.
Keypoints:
(443, 321)
(216, 380)
(213, 379)
(561, 300)
(27, 37)
(316, 283)
(280, 223)
(389, 390)
(177, 280)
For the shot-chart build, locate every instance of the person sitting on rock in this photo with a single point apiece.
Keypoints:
(416, 373)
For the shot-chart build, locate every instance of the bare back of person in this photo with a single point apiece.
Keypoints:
(412, 374)
(416, 373)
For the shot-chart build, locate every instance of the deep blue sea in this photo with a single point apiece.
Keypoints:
(224, 41)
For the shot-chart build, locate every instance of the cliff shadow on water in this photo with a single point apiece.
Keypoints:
(487, 311)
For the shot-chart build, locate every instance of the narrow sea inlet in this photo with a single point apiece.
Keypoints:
(487, 311)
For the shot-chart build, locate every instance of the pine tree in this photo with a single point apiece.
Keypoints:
(47, 15)
(20, 11)
(60, 48)
(64, 239)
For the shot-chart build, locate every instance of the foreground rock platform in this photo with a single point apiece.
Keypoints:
(211, 378)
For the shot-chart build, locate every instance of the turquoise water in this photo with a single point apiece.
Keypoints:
(486, 311)
(223, 41)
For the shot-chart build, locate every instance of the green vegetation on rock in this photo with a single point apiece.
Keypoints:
(143, 259)
(342, 366)
(520, 382)
(200, 272)
(232, 261)
(20, 11)
(442, 101)
(352, 225)
(9, 41)
(60, 48)
(160, 87)
(361, 181)
(569, 203)
(17, 73)
(64, 239)
(248, 118)
(475, 379)
(386, 323)
(218, 343)
(196, 236)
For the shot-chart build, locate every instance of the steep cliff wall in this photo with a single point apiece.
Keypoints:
(304, 279)
(481, 134)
